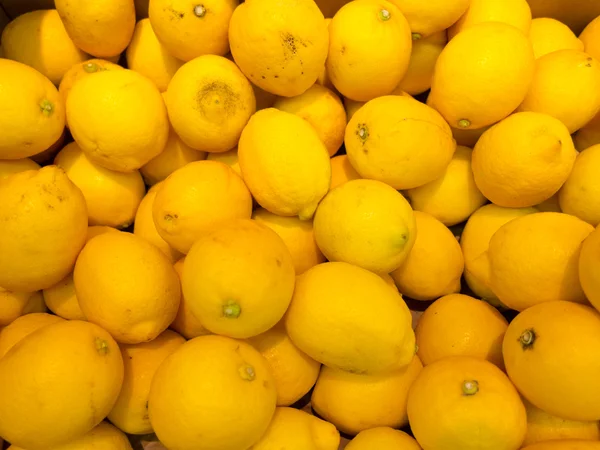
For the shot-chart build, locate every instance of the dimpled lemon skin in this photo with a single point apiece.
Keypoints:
(383, 438)
(588, 263)
(380, 52)
(212, 393)
(35, 204)
(41, 380)
(118, 118)
(551, 355)
(484, 55)
(127, 286)
(331, 301)
(33, 114)
(284, 163)
(239, 279)
(372, 137)
(210, 102)
(523, 160)
(280, 47)
(366, 223)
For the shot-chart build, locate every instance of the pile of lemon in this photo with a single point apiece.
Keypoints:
(209, 219)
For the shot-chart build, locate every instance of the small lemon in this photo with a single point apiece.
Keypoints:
(511, 12)
(342, 171)
(428, 18)
(549, 35)
(22, 327)
(11, 166)
(83, 70)
(383, 438)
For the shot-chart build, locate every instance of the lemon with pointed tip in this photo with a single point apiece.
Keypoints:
(383, 438)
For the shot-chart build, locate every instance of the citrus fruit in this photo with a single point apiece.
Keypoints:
(427, 18)
(83, 70)
(588, 275)
(342, 171)
(22, 327)
(549, 35)
(383, 438)
(11, 166)
(511, 12)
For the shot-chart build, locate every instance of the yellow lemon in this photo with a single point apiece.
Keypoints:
(199, 196)
(588, 262)
(61, 299)
(101, 29)
(589, 37)
(428, 18)
(371, 63)
(580, 195)
(424, 55)
(33, 114)
(548, 35)
(468, 137)
(42, 213)
(366, 223)
(523, 160)
(83, 70)
(550, 353)
(118, 118)
(351, 107)
(567, 444)
(11, 166)
(355, 402)
(127, 286)
(434, 265)
(459, 325)
(22, 327)
(145, 228)
(323, 110)
(298, 236)
(383, 438)
(293, 429)
(188, 28)
(148, 56)
(543, 427)
(141, 362)
(186, 323)
(324, 79)
(534, 259)
(209, 102)
(511, 12)
(294, 372)
(239, 279)
(484, 55)
(39, 39)
(566, 85)
(284, 163)
(342, 171)
(229, 158)
(40, 380)
(475, 240)
(588, 135)
(454, 196)
(15, 304)
(333, 300)
(102, 437)
(372, 137)
(213, 392)
(457, 395)
(112, 197)
(280, 47)
(175, 155)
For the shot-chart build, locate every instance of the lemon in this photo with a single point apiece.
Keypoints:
(355, 402)
(39, 39)
(483, 55)
(141, 361)
(197, 197)
(189, 28)
(511, 12)
(83, 70)
(186, 323)
(209, 102)
(383, 438)
(22, 327)
(371, 63)
(33, 116)
(298, 236)
(239, 279)
(40, 380)
(589, 37)
(284, 163)
(331, 301)
(366, 223)
(342, 171)
(127, 286)
(459, 325)
(435, 263)
(567, 444)
(351, 107)
(468, 137)
(549, 35)
(296, 430)
(280, 47)
(16, 304)
(146, 55)
(12, 166)
(34, 204)
(566, 85)
(102, 436)
(428, 18)
(61, 299)
(213, 392)
(523, 160)
(118, 118)
(588, 261)
(323, 110)
(452, 197)
(457, 395)
(550, 352)
(101, 29)
(229, 158)
(372, 137)
(588, 135)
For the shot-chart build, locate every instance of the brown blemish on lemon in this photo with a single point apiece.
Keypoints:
(217, 94)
